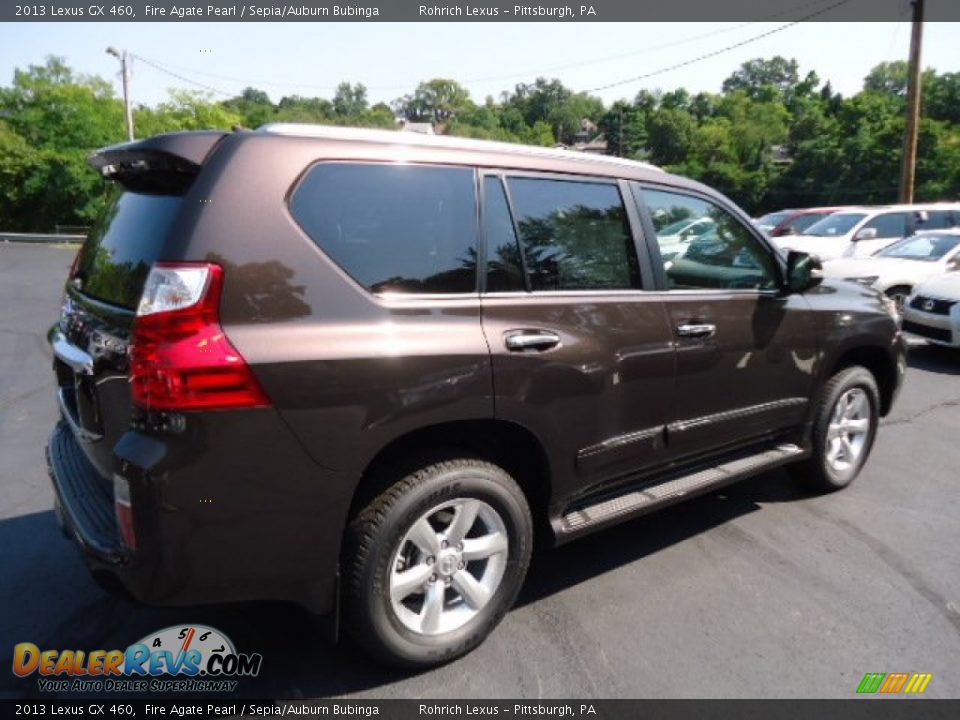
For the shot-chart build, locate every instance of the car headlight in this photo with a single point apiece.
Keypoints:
(865, 281)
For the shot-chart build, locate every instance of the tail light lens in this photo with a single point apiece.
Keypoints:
(180, 358)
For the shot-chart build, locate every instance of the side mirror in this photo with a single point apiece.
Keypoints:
(803, 271)
(865, 234)
(790, 230)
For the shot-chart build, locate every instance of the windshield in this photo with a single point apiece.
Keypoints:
(928, 248)
(837, 224)
(771, 220)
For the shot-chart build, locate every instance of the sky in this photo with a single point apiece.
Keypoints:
(390, 59)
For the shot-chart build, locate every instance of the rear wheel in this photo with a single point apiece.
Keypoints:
(434, 562)
(843, 431)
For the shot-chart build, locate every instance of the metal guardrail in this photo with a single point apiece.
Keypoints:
(49, 238)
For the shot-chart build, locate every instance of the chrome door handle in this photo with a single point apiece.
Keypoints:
(531, 340)
(696, 330)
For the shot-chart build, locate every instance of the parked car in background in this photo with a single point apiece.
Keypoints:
(897, 268)
(792, 222)
(861, 231)
(678, 235)
(933, 311)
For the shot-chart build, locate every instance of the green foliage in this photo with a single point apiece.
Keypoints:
(840, 150)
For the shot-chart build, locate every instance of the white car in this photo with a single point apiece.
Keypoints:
(933, 311)
(676, 237)
(897, 269)
(858, 232)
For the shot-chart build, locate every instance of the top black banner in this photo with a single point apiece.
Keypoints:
(480, 10)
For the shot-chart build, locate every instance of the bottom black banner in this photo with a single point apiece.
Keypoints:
(859, 709)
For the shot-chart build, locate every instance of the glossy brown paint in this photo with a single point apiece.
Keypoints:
(246, 504)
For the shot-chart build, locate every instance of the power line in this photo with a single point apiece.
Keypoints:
(170, 69)
(706, 56)
(647, 50)
(156, 66)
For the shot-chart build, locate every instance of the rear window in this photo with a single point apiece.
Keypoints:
(393, 228)
(122, 245)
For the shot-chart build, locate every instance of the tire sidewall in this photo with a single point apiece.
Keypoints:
(481, 481)
(855, 377)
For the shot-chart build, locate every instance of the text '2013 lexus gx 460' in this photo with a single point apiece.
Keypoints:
(360, 369)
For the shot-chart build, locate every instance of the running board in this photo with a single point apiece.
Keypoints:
(638, 501)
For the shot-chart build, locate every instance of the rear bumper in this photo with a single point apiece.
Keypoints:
(255, 520)
(82, 502)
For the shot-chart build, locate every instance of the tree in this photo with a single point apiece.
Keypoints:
(186, 110)
(253, 106)
(669, 136)
(51, 106)
(437, 101)
(888, 77)
(625, 130)
(350, 100)
(765, 79)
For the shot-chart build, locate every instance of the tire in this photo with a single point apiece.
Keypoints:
(899, 294)
(835, 464)
(388, 537)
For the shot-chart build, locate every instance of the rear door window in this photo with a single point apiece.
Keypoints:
(889, 225)
(393, 228)
(574, 235)
(122, 245)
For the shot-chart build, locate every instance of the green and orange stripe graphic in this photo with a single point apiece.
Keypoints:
(893, 683)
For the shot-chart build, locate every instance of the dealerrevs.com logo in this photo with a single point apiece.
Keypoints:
(192, 658)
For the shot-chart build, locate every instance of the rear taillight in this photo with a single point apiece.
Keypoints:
(124, 511)
(180, 358)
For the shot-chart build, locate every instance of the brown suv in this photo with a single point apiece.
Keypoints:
(358, 369)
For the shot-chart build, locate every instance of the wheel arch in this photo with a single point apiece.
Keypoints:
(511, 446)
(881, 364)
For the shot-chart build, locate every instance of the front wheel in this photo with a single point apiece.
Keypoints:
(435, 562)
(844, 430)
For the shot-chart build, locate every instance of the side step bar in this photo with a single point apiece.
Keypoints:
(637, 501)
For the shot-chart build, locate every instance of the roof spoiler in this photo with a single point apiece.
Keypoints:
(164, 164)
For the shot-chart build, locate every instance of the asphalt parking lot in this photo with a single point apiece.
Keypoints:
(759, 591)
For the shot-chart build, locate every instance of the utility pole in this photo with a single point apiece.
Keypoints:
(124, 58)
(909, 168)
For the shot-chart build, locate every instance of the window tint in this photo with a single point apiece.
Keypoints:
(393, 228)
(889, 225)
(936, 219)
(802, 222)
(128, 236)
(726, 257)
(504, 266)
(574, 235)
(834, 225)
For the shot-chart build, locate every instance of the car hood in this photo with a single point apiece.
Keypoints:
(880, 267)
(946, 286)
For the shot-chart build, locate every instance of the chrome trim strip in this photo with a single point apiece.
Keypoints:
(620, 441)
(68, 353)
(698, 422)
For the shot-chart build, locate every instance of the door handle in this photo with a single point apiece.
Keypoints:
(538, 340)
(696, 330)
